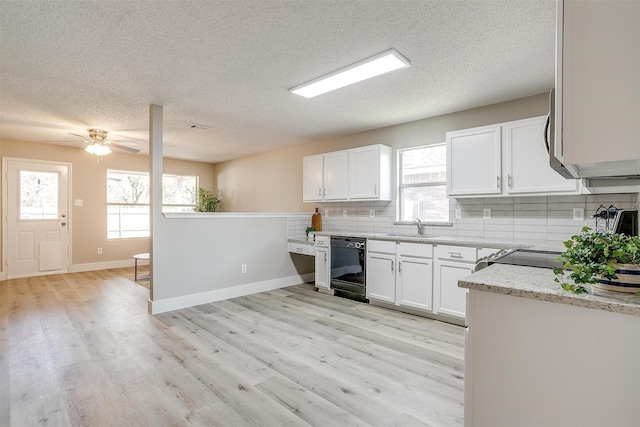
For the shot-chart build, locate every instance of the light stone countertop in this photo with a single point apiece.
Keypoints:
(537, 283)
(480, 242)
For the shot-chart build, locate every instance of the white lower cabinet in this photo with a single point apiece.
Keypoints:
(400, 273)
(323, 263)
(452, 263)
(414, 284)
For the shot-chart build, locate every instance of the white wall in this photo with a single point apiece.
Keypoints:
(197, 258)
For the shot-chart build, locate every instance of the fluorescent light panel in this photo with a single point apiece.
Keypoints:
(376, 65)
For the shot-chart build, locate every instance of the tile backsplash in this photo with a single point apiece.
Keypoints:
(539, 218)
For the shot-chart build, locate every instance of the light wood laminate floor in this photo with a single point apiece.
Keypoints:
(80, 350)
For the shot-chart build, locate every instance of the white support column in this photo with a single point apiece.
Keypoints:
(155, 181)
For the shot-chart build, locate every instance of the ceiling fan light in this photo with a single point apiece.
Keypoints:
(98, 149)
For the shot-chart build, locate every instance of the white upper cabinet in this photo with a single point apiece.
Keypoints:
(358, 174)
(335, 175)
(312, 179)
(506, 159)
(370, 173)
(598, 87)
(474, 161)
(527, 161)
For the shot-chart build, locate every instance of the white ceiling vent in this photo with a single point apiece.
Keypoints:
(197, 126)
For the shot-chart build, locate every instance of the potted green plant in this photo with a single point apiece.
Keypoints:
(206, 201)
(310, 233)
(606, 260)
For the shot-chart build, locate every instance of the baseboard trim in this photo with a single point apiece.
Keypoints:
(91, 266)
(186, 301)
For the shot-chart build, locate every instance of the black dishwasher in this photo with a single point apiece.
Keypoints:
(348, 267)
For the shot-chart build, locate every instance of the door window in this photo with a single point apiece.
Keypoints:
(38, 195)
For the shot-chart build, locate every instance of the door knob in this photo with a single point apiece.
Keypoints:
(63, 215)
(64, 223)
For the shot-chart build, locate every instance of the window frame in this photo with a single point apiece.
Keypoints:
(147, 205)
(402, 186)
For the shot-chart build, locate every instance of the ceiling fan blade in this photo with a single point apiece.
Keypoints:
(75, 134)
(124, 148)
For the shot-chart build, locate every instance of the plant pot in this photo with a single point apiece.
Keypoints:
(628, 279)
(311, 237)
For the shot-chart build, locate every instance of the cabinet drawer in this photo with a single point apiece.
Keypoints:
(419, 250)
(457, 253)
(323, 241)
(383, 246)
(300, 248)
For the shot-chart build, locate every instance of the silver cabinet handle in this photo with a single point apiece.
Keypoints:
(391, 265)
(298, 249)
(319, 192)
(509, 181)
(325, 192)
(455, 254)
(399, 266)
(498, 181)
(375, 189)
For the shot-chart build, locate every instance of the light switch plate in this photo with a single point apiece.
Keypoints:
(486, 213)
(344, 212)
(458, 213)
(578, 214)
(78, 202)
(326, 212)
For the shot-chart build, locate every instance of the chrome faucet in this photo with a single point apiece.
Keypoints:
(419, 224)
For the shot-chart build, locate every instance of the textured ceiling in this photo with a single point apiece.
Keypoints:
(69, 65)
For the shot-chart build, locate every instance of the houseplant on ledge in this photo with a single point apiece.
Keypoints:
(206, 201)
(605, 260)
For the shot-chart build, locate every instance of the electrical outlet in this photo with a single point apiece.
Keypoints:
(99, 251)
(243, 268)
(78, 202)
(344, 212)
(326, 212)
(486, 213)
(458, 213)
(372, 213)
(578, 214)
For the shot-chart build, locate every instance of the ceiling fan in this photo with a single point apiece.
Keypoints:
(99, 145)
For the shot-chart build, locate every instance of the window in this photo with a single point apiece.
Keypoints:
(423, 184)
(128, 201)
(38, 195)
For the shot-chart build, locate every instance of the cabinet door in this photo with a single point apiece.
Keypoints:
(528, 169)
(598, 84)
(448, 297)
(370, 173)
(381, 277)
(322, 268)
(335, 175)
(474, 161)
(312, 185)
(414, 282)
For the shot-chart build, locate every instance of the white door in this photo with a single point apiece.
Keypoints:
(451, 299)
(312, 184)
(381, 277)
(37, 222)
(474, 161)
(335, 176)
(322, 268)
(528, 161)
(364, 172)
(415, 282)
